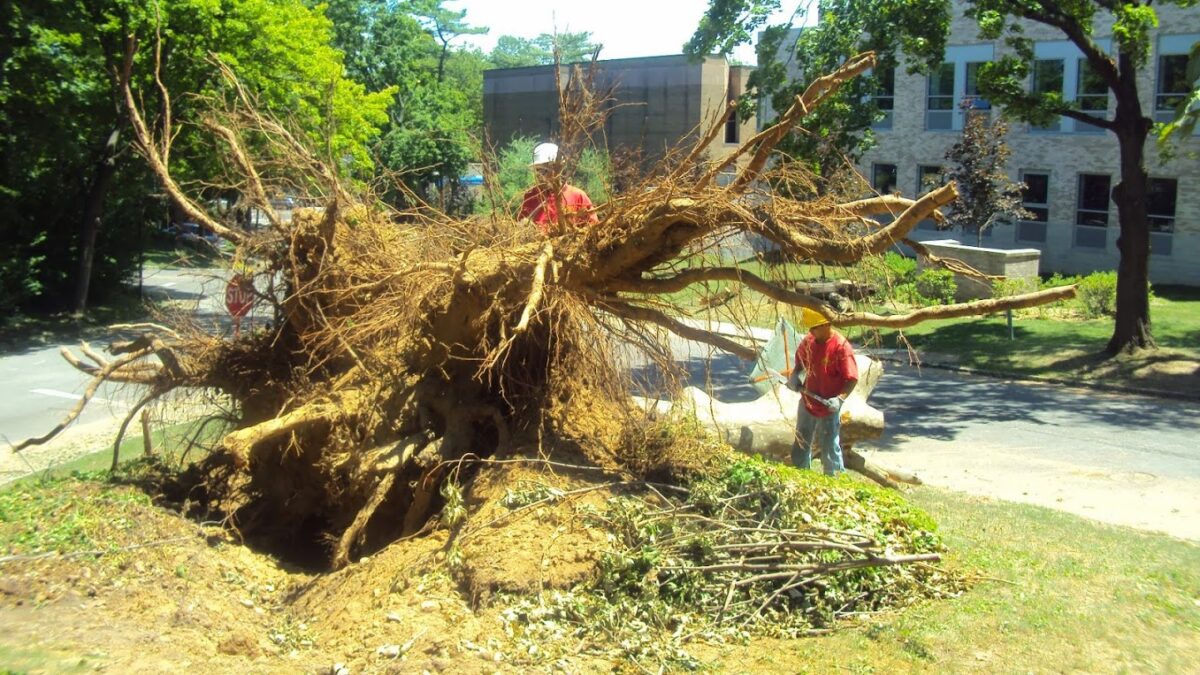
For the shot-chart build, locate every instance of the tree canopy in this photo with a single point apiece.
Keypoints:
(513, 52)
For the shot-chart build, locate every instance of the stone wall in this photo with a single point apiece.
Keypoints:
(1010, 263)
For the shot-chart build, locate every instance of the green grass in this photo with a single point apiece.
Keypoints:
(1054, 593)
(1050, 345)
(36, 517)
(173, 440)
(17, 660)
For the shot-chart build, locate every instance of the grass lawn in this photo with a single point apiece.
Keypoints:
(1054, 593)
(1048, 342)
(1054, 346)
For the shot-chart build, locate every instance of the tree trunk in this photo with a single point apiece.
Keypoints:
(93, 209)
(1132, 326)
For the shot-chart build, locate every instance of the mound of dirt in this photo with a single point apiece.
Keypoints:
(156, 592)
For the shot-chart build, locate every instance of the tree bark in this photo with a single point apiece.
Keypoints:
(93, 209)
(1131, 331)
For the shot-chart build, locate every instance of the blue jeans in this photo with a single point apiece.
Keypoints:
(817, 434)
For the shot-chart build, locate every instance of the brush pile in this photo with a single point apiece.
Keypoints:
(403, 342)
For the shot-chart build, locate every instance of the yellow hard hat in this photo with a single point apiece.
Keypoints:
(812, 318)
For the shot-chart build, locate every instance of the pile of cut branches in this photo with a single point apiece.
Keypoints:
(401, 341)
(750, 548)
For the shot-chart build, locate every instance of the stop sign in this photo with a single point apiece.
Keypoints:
(239, 296)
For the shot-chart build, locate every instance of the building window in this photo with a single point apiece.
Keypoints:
(1059, 67)
(1035, 197)
(1091, 93)
(1172, 86)
(929, 177)
(731, 127)
(953, 81)
(1160, 204)
(971, 87)
(1171, 83)
(1091, 213)
(1160, 210)
(939, 102)
(883, 178)
(885, 98)
(1048, 77)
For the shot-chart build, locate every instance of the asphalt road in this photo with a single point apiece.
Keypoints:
(40, 388)
(1118, 458)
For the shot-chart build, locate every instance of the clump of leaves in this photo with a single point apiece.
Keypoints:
(752, 548)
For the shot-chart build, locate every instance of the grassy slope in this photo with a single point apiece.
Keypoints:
(1075, 596)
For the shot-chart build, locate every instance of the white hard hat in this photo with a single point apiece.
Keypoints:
(544, 153)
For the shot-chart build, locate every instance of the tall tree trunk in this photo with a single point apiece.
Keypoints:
(93, 209)
(1132, 326)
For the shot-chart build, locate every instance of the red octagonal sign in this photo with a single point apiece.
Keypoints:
(239, 296)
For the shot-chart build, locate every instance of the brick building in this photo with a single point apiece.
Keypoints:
(1069, 167)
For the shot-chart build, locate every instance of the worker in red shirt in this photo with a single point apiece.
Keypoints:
(825, 373)
(543, 204)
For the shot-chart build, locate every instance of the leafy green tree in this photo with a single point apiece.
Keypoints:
(444, 24)
(839, 132)
(73, 196)
(1003, 82)
(978, 166)
(919, 28)
(436, 116)
(515, 52)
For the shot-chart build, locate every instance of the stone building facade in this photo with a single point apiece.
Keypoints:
(658, 102)
(1069, 168)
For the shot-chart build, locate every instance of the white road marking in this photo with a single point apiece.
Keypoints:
(56, 393)
(74, 397)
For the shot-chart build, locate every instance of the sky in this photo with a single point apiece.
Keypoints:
(626, 28)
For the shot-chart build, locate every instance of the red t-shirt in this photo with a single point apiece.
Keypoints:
(828, 365)
(542, 210)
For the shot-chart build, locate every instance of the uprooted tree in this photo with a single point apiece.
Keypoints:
(403, 341)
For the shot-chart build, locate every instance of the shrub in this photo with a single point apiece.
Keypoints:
(1056, 280)
(1006, 288)
(937, 285)
(1097, 294)
(900, 268)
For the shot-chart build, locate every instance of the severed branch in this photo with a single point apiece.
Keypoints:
(990, 306)
(538, 287)
(952, 264)
(258, 195)
(656, 317)
(682, 280)
(853, 250)
(764, 143)
(145, 145)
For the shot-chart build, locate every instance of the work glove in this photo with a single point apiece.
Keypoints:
(794, 381)
(834, 404)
